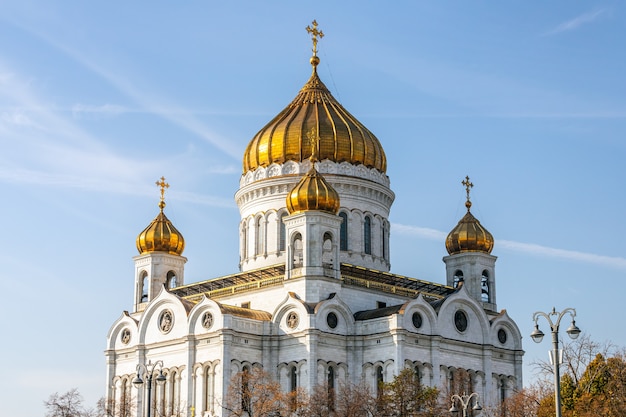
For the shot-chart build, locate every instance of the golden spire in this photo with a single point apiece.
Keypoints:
(468, 185)
(161, 235)
(314, 140)
(469, 235)
(163, 185)
(314, 34)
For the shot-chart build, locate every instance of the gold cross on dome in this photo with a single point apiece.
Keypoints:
(314, 35)
(163, 185)
(468, 185)
(314, 140)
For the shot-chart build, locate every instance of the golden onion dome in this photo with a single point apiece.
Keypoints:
(469, 235)
(312, 192)
(161, 235)
(342, 137)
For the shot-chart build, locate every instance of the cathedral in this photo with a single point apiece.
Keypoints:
(314, 301)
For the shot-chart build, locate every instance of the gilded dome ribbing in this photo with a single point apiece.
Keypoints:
(161, 235)
(342, 136)
(469, 235)
(313, 193)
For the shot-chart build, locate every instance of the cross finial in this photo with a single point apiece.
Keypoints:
(314, 35)
(314, 139)
(468, 185)
(162, 185)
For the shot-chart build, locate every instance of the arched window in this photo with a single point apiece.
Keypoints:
(502, 390)
(458, 278)
(283, 232)
(258, 247)
(418, 374)
(484, 287)
(367, 235)
(385, 241)
(297, 250)
(327, 250)
(244, 242)
(379, 381)
(331, 388)
(245, 389)
(343, 231)
(171, 281)
(293, 379)
(208, 389)
(144, 287)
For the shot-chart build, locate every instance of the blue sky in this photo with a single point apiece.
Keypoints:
(97, 101)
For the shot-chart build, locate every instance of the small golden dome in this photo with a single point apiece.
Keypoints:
(313, 193)
(161, 235)
(342, 136)
(469, 235)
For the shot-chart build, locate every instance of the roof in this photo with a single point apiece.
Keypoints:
(350, 274)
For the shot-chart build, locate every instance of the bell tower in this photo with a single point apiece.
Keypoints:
(470, 262)
(160, 261)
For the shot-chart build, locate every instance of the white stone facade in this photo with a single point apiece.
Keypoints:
(313, 302)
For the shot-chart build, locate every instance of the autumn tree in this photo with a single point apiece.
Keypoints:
(254, 393)
(405, 396)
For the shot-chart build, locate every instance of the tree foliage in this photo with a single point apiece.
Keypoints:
(69, 404)
(593, 381)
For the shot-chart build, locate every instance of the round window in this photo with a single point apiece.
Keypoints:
(502, 336)
(417, 320)
(460, 321)
(331, 320)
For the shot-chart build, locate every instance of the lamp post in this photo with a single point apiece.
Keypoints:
(149, 369)
(555, 356)
(465, 401)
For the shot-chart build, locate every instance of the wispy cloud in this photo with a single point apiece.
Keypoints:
(146, 100)
(529, 248)
(577, 22)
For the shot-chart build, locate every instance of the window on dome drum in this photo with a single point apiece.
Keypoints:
(245, 304)
(258, 238)
(367, 235)
(283, 232)
(343, 231)
(385, 241)
(458, 278)
(484, 287)
(244, 243)
(381, 304)
(171, 281)
(144, 287)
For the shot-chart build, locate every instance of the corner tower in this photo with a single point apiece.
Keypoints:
(470, 262)
(160, 261)
(351, 159)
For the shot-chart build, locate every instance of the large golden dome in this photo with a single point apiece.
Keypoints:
(342, 136)
(313, 193)
(161, 235)
(469, 235)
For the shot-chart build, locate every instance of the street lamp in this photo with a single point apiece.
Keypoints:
(465, 401)
(555, 356)
(149, 369)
